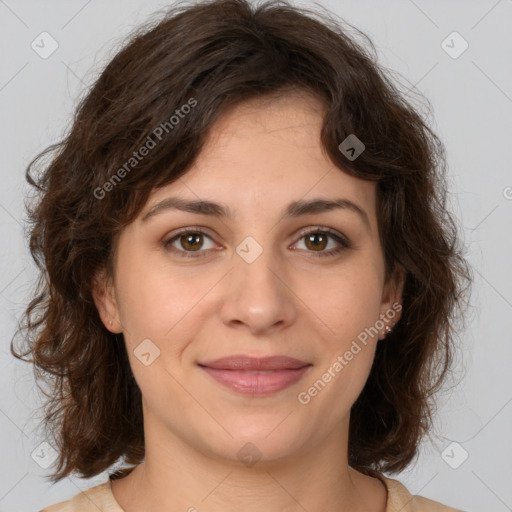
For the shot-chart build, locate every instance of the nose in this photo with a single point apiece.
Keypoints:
(259, 296)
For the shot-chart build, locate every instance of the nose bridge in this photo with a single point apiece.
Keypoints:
(259, 297)
(257, 267)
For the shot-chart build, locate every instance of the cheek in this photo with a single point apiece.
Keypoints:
(153, 311)
(167, 309)
(350, 314)
(154, 298)
(350, 302)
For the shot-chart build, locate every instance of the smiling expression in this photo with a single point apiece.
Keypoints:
(263, 248)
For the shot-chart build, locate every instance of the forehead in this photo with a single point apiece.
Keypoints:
(263, 154)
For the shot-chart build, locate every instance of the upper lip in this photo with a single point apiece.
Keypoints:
(248, 363)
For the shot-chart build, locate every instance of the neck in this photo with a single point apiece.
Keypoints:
(175, 476)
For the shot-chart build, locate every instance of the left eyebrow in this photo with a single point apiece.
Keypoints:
(299, 208)
(294, 209)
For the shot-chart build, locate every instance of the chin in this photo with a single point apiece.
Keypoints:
(259, 442)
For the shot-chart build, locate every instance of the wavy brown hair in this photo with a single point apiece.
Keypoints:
(221, 53)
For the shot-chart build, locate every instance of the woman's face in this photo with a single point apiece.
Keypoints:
(259, 283)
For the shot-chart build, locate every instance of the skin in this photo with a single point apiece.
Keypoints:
(265, 153)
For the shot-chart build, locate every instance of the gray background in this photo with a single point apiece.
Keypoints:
(472, 105)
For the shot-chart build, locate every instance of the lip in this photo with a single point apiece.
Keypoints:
(243, 373)
(249, 363)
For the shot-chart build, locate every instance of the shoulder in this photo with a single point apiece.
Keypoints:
(400, 499)
(95, 499)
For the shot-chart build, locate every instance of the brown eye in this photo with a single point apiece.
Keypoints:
(191, 241)
(188, 241)
(316, 240)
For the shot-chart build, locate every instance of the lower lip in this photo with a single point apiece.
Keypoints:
(256, 384)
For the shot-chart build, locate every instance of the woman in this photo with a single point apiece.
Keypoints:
(249, 280)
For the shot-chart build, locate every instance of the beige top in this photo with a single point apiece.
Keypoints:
(101, 499)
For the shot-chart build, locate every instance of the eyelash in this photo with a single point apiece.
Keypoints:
(344, 243)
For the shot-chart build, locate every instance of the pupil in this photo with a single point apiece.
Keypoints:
(314, 237)
(189, 240)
